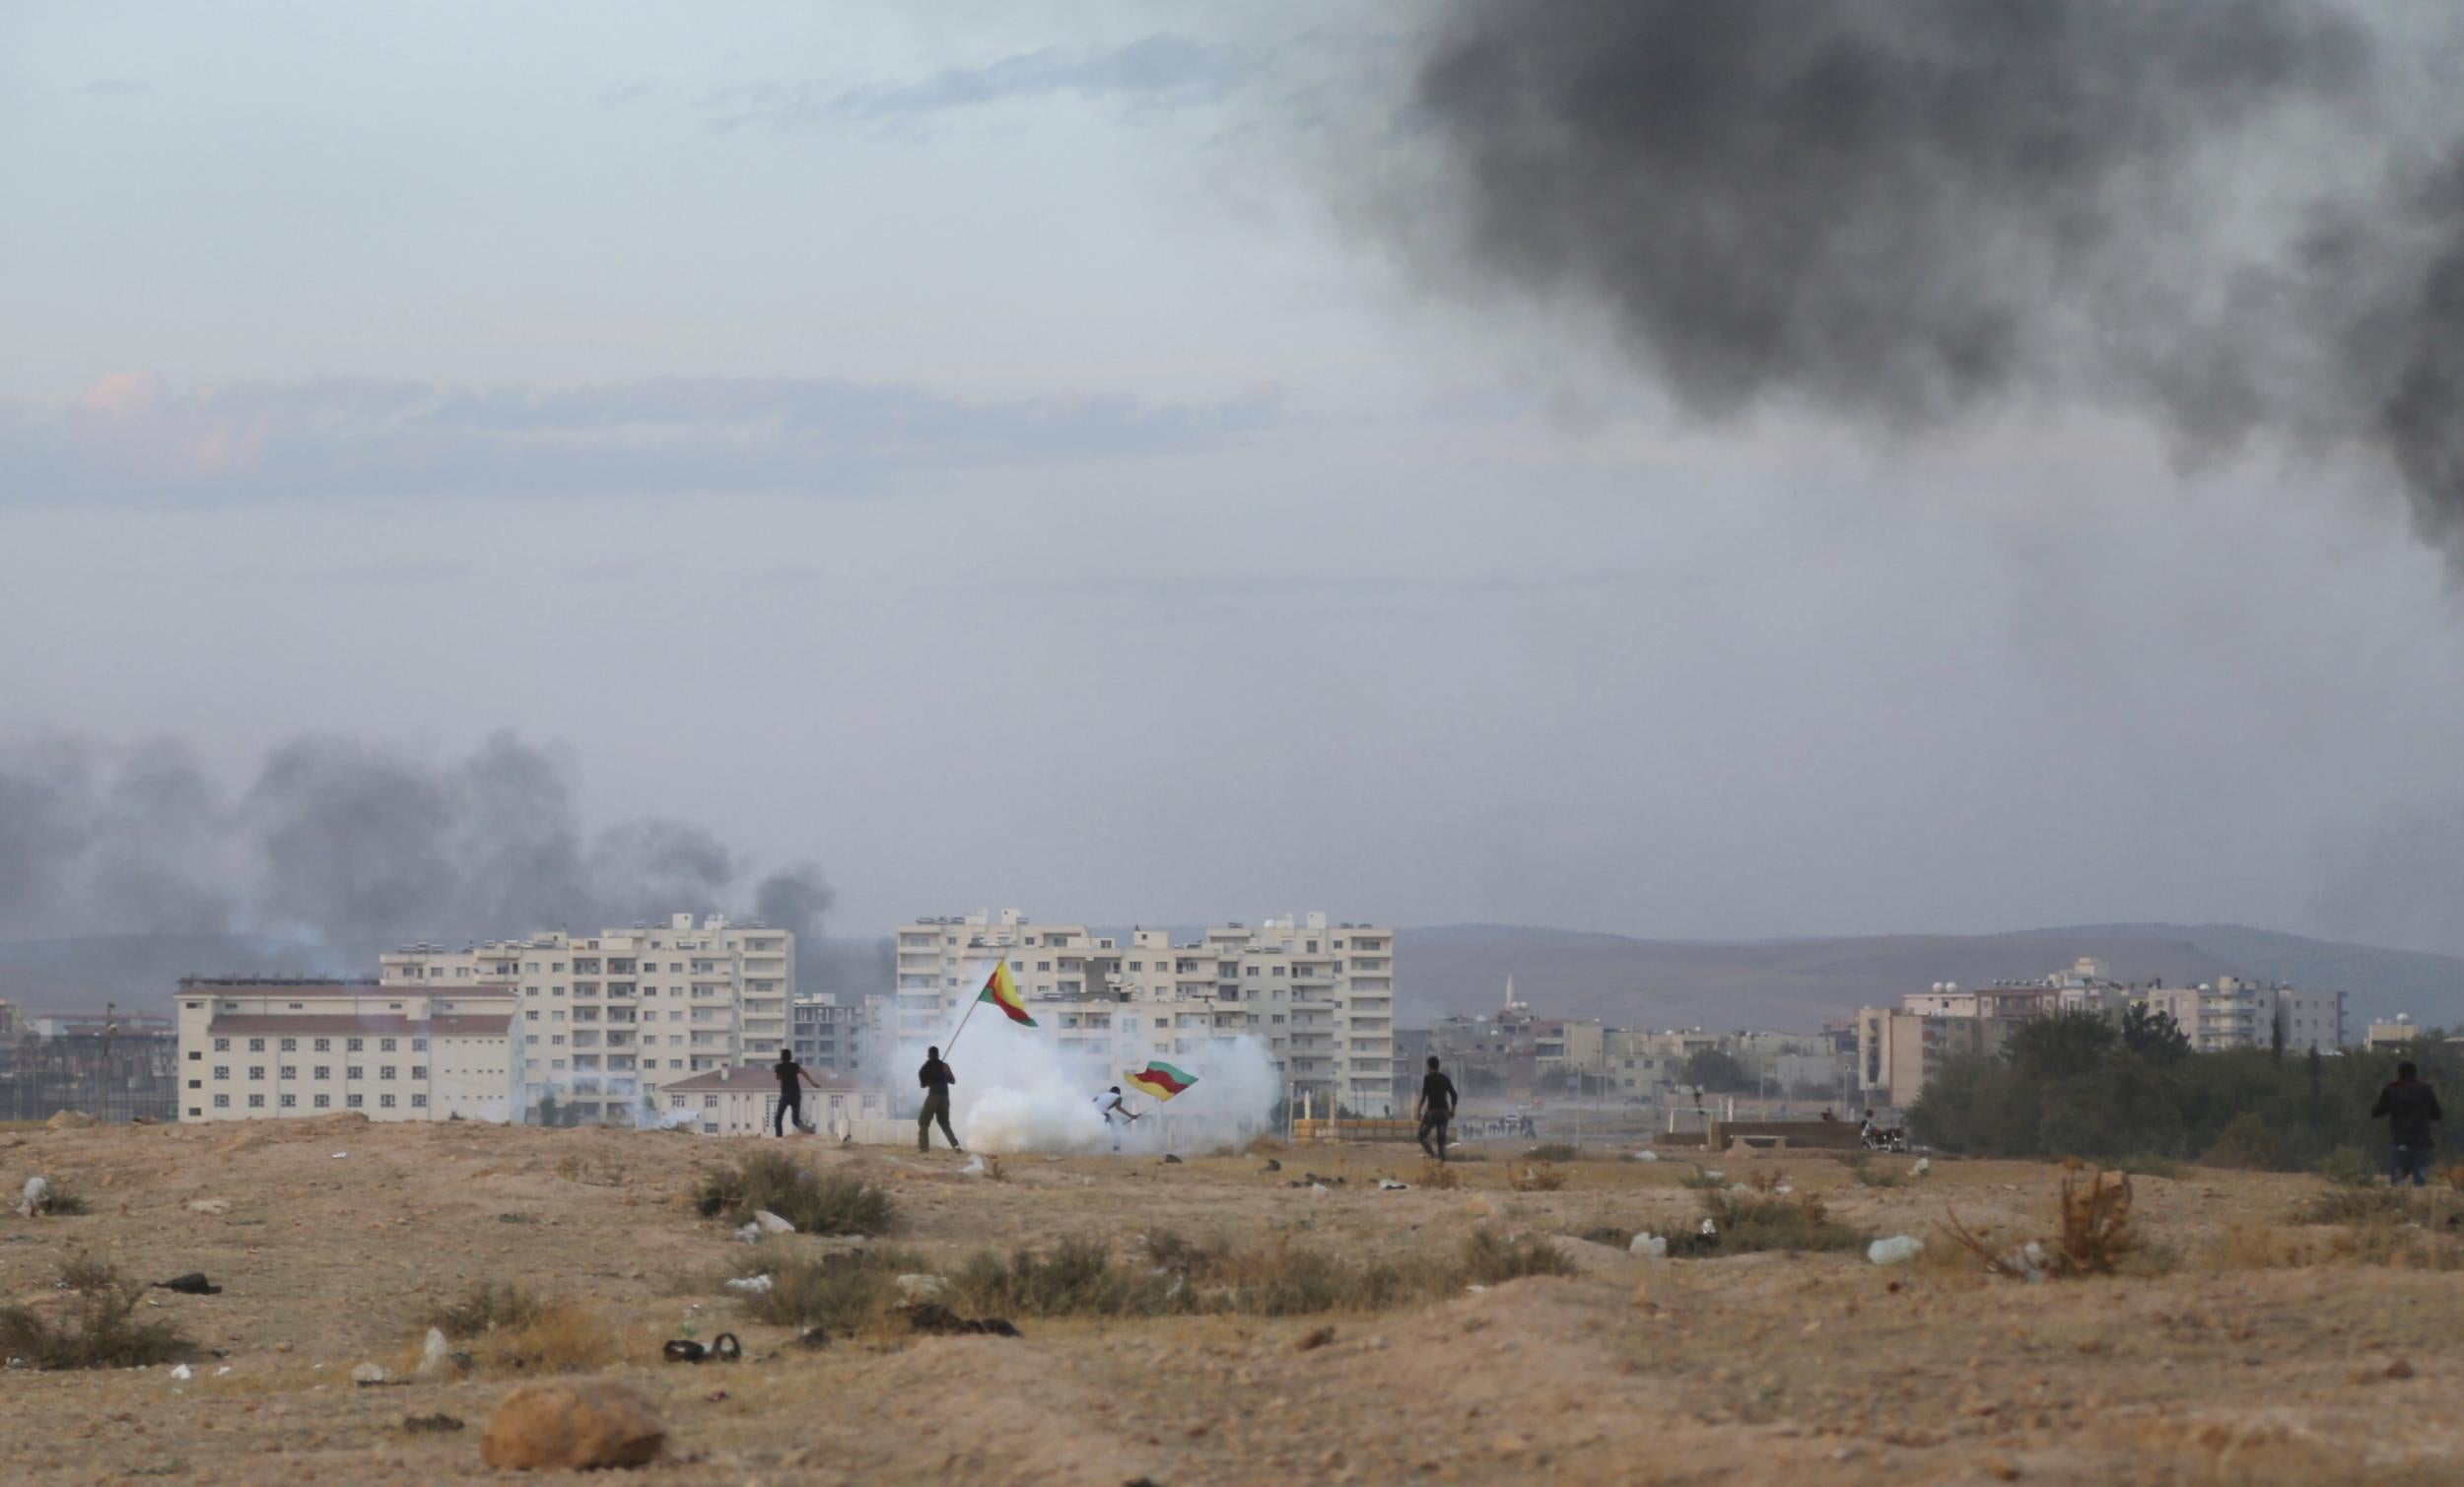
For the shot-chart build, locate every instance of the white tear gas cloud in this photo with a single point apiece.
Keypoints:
(2237, 217)
(347, 843)
(1018, 1091)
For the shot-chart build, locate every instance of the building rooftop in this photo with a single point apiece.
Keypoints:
(758, 1079)
(481, 1026)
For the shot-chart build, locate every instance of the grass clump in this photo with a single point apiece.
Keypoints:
(1489, 1259)
(513, 1330)
(2346, 1168)
(95, 1327)
(1746, 1223)
(2093, 1234)
(1440, 1176)
(775, 1182)
(1555, 1151)
(1863, 1173)
(486, 1307)
(843, 1292)
(1546, 1178)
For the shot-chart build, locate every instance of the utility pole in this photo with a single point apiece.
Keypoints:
(103, 1071)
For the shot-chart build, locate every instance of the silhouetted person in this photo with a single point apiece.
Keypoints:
(792, 1082)
(1436, 1107)
(937, 1079)
(2410, 1106)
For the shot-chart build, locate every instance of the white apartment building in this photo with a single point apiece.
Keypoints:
(603, 1022)
(1321, 996)
(2232, 1013)
(264, 1050)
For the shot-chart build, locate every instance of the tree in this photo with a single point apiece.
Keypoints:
(2059, 1046)
(1714, 1070)
(544, 1113)
(2154, 1035)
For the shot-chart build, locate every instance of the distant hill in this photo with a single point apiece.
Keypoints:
(1453, 968)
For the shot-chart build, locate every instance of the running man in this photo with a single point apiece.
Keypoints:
(1434, 1108)
(2409, 1106)
(792, 1082)
(936, 1078)
(1108, 1105)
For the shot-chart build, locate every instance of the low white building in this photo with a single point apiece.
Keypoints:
(264, 1050)
(742, 1101)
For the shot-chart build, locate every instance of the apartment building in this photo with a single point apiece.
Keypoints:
(263, 1050)
(828, 1034)
(603, 1022)
(1319, 996)
(2232, 1013)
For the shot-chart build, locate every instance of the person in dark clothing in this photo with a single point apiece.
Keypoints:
(936, 1078)
(792, 1082)
(1435, 1108)
(2410, 1106)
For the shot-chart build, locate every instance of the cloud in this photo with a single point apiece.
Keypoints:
(1157, 70)
(132, 438)
(117, 87)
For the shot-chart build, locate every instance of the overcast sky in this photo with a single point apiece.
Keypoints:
(991, 452)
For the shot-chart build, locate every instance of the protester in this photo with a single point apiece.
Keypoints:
(1434, 1108)
(2409, 1106)
(936, 1078)
(1108, 1105)
(792, 1082)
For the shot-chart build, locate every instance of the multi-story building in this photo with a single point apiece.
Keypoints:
(604, 1021)
(1321, 996)
(829, 1034)
(258, 1049)
(2232, 1013)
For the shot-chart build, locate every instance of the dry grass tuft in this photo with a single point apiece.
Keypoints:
(1746, 1223)
(511, 1330)
(2094, 1238)
(1555, 1151)
(94, 1330)
(1439, 1176)
(1546, 1178)
(1863, 1172)
(485, 1308)
(847, 1293)
(775, 1183)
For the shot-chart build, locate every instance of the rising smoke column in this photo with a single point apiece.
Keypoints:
(2232, 216)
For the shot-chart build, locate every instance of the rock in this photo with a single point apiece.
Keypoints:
(1389, 1184)
(370, 1373)
(1170, 1159)
(749, 1234)
(923, 1287)
(1898, 1249)
(573, 1425)
(69, 1121)
(435, 1356)
(35, 1199)
(1311, 1341)
(182, 1372)
(430, 1424)
(1482, 1206)
(750, 1285)
(1649, 1246)
(210, 1207)
(1271, 1166)
(932, 1318)
(770, 1223)
(1646, 1156)
(193, 1283)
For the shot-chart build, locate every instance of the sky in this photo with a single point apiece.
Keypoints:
(1010, 456)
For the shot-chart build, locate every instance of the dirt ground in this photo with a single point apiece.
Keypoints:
(1759, 1367)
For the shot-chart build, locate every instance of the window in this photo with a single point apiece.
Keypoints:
(387, 1072)
(291, 1046)
(419, 1044)
(325, 1102)
(196, 1084)
(532, 1040)
(256, 1102)
(355, 1072)
(324, 1046)
(324, 1071)
(530, 1014)
(419, 1071)
(256, 1045)
(222, 1045)
(290, 1100)
(222, 1072)
(290, 1072)
(385, 1101)
(419, 1101)
(557, 1039)
(385, 1045)
(256, 1071)
(222, 1102)
(194, 1112)
(353, 1101)
(354, 1045)
(194, 1056)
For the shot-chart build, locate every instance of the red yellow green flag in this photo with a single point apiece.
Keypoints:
(1002, 991)
(1160, 1080)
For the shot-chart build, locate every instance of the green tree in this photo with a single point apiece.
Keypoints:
(2059, 1046)
(2154, 1035)
(1712, 1069)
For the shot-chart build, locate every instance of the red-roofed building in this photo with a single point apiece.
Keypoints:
(263, 1050)
(742, 1101)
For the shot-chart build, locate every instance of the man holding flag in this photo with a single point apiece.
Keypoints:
(1108, 1104)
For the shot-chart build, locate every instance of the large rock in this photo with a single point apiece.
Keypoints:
(69, 1121)
(573, 1426)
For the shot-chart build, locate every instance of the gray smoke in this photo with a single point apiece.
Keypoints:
(2236, 216)
(344, 843)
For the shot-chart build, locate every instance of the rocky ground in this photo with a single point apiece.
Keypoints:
(2238, 1349)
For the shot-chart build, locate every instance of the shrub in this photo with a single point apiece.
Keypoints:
(95, 1328)
(2346, 1167)
(486, 1307)
(775, 1182)
(2150, 1164)
(2094, 1236)
(1554, 1151)
(840, 1292)
(1863, 1172)
(1546, 1178)
(1439, 1176)
(2245, 1143)
(1743, 1223)
(1489, 1259)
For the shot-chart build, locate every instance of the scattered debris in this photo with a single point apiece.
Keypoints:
(1646, 1156)
(1923, 1166)
(1316, 1187)
(974, 1167)
(435, 1355)
(35, 1199)
(338, 1156)
(181, 1372)
(68, 1121)
(723, 1348)
(210, 1207)
(923, 1287)
(1389, 1184)
(193, 1283)
(1171, 1160)
(770, 1223)
(435, 1424)
(814, 1338)
(750, 1285)
(516, 1218)
(940, 1320)
(1649, 1246)
(1271, 1166)
(1709, 1230)
(371, 1374)
(1313, 1340)
(749, 1234)
(1898, 1249)
(715, 1396)
(574, 1423)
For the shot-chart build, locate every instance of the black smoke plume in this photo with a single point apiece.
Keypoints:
(350, 846)
(2240, 216)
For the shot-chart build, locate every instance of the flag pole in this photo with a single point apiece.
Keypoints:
(971, 1006)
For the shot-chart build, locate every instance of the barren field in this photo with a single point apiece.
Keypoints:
(2234, 1346)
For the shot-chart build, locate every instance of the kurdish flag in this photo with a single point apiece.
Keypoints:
(1002, 991)
(1160, 1080)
